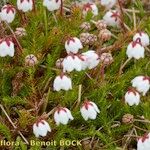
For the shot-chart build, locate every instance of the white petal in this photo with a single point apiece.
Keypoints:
(92, 112)
(84, 113)
(52, 5)
(42, 129)
(69, 114)
(66, 83)
(95, 107)
(144, 38)
(68, 64)
(35, 130)
(132, 99)
(61, 117)
(47, 126)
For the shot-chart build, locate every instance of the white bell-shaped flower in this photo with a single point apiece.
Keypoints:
(89, 110)
(90, 7)
(142, 84)
(135, 50)
(132, 97)
(144, 142)
(143, 37)
(72, 62)
(62, 82)
(8, 13)
(62, 116)
(108, 3)
(6, 47)
(90, 59)
(25, 5)
(52, 5)
(41, 128)
(72, 45)
(112, 18)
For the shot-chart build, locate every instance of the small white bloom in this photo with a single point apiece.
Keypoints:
(132, 97)
(90, 7)
(25, 5)
(6, 47)
(91, 59)
(72, 62)
(41, 128)
(62, 116)
(8, 13)
(143, 37)
(89, 110)
(62, 82)
(52, 5)
(135, 50)
(144, 142)
(112, 18)
(72, 45)
(142, 84)
(108, 3)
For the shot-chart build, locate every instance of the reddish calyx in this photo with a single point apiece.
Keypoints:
(9, 8)
(7, 40)
(87, 7)
(59, 109)
(140, 33)
(24, 0)
(86, 104)
(115, 15)
(137, 41)
(40, 120)
(72, 55)
(61, 75)
(70, 39)
(146, 78)
(145, 137)
(80, 57)
(132, 90)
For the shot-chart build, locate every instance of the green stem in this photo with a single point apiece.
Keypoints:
(46, 23)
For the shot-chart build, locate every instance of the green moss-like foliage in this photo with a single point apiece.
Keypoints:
(45, 39)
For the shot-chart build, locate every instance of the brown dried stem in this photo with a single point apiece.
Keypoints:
(25, 140)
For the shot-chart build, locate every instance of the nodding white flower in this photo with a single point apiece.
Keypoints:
(6, 47)
(62, 82)
(72, 62)
(72, 45)
(52, 5)
(142, 84)
(132, 97)
(90, 7)
(135, 50)
(25, 5)
(143, 37)
(30, 60)
(89, 110)
(112, 18)
(8, 13)
(62, 116)
(108, 3)
(90, 59)
(144, 142)
(41, 128)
